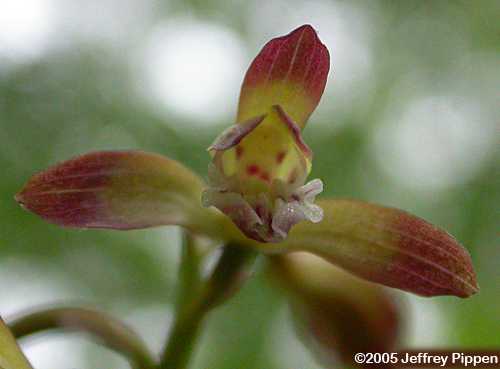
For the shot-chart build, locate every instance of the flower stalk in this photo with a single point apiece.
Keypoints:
(102, 327)
(231, 271)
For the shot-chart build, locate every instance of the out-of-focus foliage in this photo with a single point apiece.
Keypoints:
(409, 119)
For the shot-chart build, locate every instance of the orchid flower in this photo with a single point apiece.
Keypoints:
(257, 197)
(257, 175)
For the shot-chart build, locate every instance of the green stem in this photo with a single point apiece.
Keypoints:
(182, 339)
(190, 277)
(226, 278)
(104, 328)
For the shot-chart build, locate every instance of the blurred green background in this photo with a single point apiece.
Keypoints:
(409, 119)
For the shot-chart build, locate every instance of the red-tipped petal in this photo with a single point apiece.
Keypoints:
(388, 246)
(290, 71)
(116, 189)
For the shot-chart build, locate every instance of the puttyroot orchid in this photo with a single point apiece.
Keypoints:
(257, 197)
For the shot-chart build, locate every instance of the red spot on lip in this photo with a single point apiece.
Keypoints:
(239, 152)
(253, 169)
(265, 177)
(259, 210)
(280, 156)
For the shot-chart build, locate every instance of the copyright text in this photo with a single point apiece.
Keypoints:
(430, 359)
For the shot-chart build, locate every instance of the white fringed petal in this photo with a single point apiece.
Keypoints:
(300, 207)
(263, 217)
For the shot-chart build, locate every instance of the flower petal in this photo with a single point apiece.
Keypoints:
(290, 71)
(294, 130)
(235, 133)
(11, 356)
(119, 190)
(388, 246)
(338, 314)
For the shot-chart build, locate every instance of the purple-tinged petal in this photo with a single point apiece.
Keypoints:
(119, 190)
(388, 246)
(234, 134)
